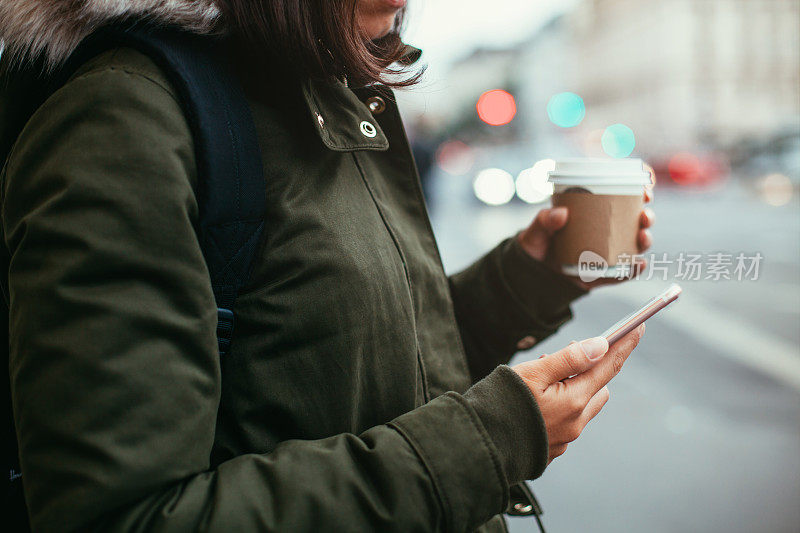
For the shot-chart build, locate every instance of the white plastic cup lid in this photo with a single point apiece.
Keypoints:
(600, 170)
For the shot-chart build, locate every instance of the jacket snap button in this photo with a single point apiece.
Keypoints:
(368, 129)
(376, 104)
(320, 120)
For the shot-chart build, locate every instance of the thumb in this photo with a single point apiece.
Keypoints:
(550, 220)
(535, 239)
(574, 359)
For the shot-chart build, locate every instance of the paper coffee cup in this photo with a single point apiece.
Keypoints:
(605, 198)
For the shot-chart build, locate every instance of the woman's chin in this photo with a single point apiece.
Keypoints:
(377, 29)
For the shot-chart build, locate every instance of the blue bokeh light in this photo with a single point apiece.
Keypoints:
(618, 140)
(566, 109)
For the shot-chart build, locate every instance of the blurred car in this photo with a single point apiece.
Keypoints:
(777, 154)
(691, 169)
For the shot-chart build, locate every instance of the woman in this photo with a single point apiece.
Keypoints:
(362, 391)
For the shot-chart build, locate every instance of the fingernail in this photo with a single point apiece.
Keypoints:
(556, 212)
(594, 348)
(641, 329)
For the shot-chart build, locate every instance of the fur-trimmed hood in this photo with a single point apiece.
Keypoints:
(53, 28)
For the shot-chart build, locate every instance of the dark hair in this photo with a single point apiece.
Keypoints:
(319, 38)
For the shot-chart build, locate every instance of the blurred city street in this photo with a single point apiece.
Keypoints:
(701, 432)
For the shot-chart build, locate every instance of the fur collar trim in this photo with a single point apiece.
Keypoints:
(52, 29)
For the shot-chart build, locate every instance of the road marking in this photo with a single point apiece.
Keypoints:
(728, 333)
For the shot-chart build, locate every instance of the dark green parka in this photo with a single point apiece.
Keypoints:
(362, 391)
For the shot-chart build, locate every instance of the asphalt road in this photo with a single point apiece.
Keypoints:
(702, 432)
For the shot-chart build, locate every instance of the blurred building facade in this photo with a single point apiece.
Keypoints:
(688, 73)
(683, 74)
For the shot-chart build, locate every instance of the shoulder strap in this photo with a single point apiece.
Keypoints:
(231, 189)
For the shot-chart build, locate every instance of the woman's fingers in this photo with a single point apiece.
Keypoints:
(552, 220)
(647, 218)
(595, 405)
(585, 411)
(574, 359)
(645, 239)
(588, 383)
(568, 403)
(535, 239)
(639, 266)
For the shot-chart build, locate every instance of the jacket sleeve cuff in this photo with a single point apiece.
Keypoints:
(463, 463)
(505, 297)
(476, 445)
(544, 293)
(509, 414)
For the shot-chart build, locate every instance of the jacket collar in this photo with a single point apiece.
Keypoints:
(344, 123)
(342, 120)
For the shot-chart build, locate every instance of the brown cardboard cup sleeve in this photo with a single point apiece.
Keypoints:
(605, 224)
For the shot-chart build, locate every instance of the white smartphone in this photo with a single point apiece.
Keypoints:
(635, 319)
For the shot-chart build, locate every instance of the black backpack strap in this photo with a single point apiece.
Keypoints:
(231, 188)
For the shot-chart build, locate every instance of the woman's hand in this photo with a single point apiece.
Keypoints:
(535, 239)
(570, 384)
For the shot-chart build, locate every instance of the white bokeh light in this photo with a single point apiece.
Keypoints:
(532, 185)
(494, 186)
(776, 189)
